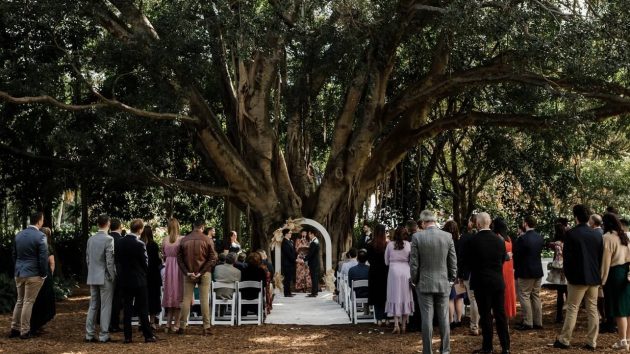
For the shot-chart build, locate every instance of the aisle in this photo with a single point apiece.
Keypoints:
(302, 310)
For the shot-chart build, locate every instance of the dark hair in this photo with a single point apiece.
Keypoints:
(36, 217)
(473, 219)
(254, 259)
(379, 241)
(352, 253)
(285, 231)
(559, 230)
(563, 221)
(411, 224)
(102, 220)
(612, 209)
(530, 221)
(400, 235)
(362, 256)
(147, 234)
(241, 257)
(136, 225)
(581, 213)
(46, 232)
(499, 227)
(222, 258)
(230, 258)
(452, 228)
(612, 224)
(206, 231)
(115, 224)
(199, 223)
(624, 222)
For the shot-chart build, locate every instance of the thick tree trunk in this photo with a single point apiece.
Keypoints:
(231, 220)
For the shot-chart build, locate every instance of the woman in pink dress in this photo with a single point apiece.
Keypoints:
(399, 296)
(173, 277)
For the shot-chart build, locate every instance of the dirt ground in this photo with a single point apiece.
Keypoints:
(66, 332)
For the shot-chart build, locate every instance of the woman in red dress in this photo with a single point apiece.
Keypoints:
(500, 228)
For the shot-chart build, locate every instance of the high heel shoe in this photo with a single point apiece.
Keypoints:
(622, 344)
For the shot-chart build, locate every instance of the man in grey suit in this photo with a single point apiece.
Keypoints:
(433, 269)
(101, 275)
(31, 258)
(226, 273)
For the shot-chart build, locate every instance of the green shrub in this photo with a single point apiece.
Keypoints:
(64, 287)
(8, 293)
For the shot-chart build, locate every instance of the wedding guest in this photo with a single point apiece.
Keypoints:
(399, 303)
(218, 244)
(463, 273)
(484, 256)
(625, 224)
(253, 272)
(154, 277)
(268, 268)
(312, 259)
(101, 275)
(132, 258)
(377, 285)
(173, 276)
(455, 300)
(196, 258)
(415, 322)
(528, 272)
(500, 228)
(289, 256)
(31, 256)
(555, 276)
(582, 252)
(595, 222)
(233, 245)
(360, 271)
(614, 273)
(226, 273)
(302, 274)
(352, 261)
(44, 308)
(240, 262)
(433, 265)
(116, 233)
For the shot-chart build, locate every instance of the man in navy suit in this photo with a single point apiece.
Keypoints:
(312, 259)
(360, 271)
(131, 255)
(528, 272)
(288, 262)
(31, 261)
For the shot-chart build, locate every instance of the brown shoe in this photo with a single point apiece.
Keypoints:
(181, 331)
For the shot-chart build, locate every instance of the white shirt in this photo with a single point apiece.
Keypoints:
(345, 268)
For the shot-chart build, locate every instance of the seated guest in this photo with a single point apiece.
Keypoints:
(253, 272)
(359, 272)
(221, 259)
(240, 261)
(226, 273)
(351, 262)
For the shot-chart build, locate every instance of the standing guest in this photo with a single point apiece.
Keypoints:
(415, 322)
(154, 277)
(31, 256)
(433, 270)
(240, 261)
(625, 224)
(196, 258)
(132, 257)
(173, 276)
(226, 273)
(212, 232)
(582, 253)
(455, 300)
(99, 257)
(116, 233)
(528, 272)
(351, 262)
(233, 245)
(377, 285)
(302, 274)
(463, 273)
(289, 256)
(313, 259)
(595, 222)
(614, 272)
(484, 256)
(44, 308)
(556, 277)
(366, 235)
(360, 271)
(399, 303)
(500, 228)
(253, 272)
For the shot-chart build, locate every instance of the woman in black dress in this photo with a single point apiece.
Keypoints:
(154, 278)
(44, 308)
(253, 272)
(377, 276)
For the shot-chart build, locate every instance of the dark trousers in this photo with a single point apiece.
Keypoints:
(491, 301)
(116, 306)
(314, 281)
(608, 320)
(415, 320)
(289, 275)
(561, 291)
(136, 297)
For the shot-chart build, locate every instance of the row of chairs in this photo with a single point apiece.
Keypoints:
(357, 308)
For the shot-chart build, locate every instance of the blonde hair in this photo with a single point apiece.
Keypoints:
(173, 230)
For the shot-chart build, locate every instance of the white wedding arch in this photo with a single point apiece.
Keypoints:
(295, 226)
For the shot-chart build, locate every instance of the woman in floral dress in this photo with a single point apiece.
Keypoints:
(302, 275)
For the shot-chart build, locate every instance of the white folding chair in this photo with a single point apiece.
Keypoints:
(358, 316)
(258, 301)
(341, 295)
(347, 295)
(229, 304)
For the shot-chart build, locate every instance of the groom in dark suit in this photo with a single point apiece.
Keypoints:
(131, 255)
(288, 262)
(312, 259)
